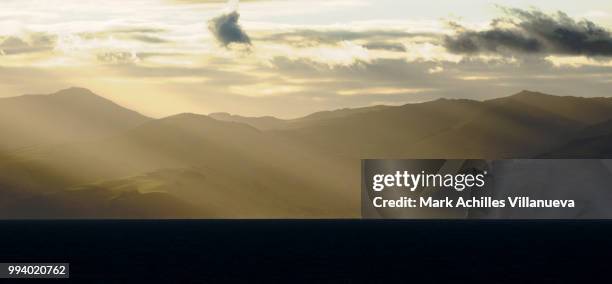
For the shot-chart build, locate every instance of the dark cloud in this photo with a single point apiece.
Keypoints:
(149, 39)
(227, 30)
(147, 35)
(397, 47)
(120, 57)
(534, 32)
(498, 78)
(36, 42)
(496, 40)
(305, 37)
(116, 57)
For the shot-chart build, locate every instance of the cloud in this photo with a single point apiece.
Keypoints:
(473, 78)
(533, 32)
(227, 30)
(264, 90)
(376, 37)
(397, 47)
(146, 35)
(117, 57)
(34, 42)
(380, 91)
(492, 41)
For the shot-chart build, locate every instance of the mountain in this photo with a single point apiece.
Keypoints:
(518, 126)
(93, 202)
(340, 113)
(587, 148)
(505, 128)
(596, 130)
(229, 169)
(224, 166)
(594, 142)
(272, 123)
(33, 190)
(583, 110)
(261, 123)
(69, 115)
(384, 133)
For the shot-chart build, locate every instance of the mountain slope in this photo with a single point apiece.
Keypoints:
(230, 169)
(518, 126)
(583, 110)
(594, 142)
(69, 115)
(93, 202)
(304, 168)
(587, 148)
(272, 123)
(261, 123)
(502, 129)
(325, 115)
(385, 133)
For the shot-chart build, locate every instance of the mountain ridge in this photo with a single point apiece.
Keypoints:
(304, 168)
(73, 114)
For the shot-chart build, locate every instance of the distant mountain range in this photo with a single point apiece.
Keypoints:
(66, 116)
(74, 154)
(593, 142)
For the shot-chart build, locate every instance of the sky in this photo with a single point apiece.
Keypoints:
(292, 58)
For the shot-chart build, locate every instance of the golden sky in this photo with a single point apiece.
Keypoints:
(291, 58)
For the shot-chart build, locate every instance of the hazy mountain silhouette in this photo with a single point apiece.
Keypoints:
(29, 189)
(594, 142)
(94, 202)
(340, 113)
(229, 169)
(113, 162)
(261, 123)
(518, 126)
(584, 110)
(272, 123)
(596, 130)
(73, 114)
